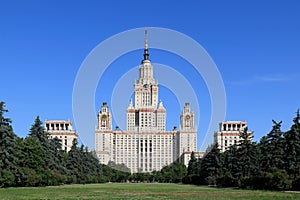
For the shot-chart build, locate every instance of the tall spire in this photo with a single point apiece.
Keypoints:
(146, 38)
(146, 54)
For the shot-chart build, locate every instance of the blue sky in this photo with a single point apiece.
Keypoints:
(255, 45)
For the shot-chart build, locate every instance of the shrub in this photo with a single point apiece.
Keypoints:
(194, 179)
(276, 180)
(57, 178)
(32, 178)
(227, 181)
(102, 179)
(7, 178)
(296, 184)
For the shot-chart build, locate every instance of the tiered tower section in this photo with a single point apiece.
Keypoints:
(146, 114)
(187, 136)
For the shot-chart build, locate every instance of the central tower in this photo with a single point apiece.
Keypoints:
(146, 114)
(145, 88)
(146, 145)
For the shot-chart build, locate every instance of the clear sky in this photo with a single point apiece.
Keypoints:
(255, 45)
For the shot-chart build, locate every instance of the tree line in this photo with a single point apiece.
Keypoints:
(173, 173)
(273, 163)
(37, 160)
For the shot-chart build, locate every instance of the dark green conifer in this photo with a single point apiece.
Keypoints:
(9, 171)
(292, 148)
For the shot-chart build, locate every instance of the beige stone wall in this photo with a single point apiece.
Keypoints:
(63, 130)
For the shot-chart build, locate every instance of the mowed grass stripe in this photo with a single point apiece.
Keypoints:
(139, 191)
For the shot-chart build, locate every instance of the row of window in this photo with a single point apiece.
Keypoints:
(230, 142)
(59, 137)
(57, 127)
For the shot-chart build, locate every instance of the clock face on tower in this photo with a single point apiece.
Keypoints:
(104, 117)
(187, 121)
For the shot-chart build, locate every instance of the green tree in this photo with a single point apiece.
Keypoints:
(263, 155)
(58, 157)
(211, 168)
(120, 172)
(120, 167)
(292, 148)
(8, 148)
(247, 154)
(74, 164)
(32, 161)
(272, 149)
(108, 172)
(230, 167)
(173, 173)
(38, 132)
(82, 165)
(92, 166)
(192, 166)
(32, 154)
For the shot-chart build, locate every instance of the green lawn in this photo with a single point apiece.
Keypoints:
(139, 191)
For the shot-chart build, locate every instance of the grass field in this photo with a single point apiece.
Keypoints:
(139, 191)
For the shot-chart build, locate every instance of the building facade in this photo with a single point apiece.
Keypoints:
(185, 157)
(146, 145)
(63, 130)
(229, 134)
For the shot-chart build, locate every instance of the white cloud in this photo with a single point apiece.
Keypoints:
(257, 79)
(272, 78)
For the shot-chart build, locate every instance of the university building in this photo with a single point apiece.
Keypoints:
(63, 130)
(145, 145)
(229, 134)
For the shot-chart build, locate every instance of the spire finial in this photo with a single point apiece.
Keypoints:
(146, 38)
(146, 54)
